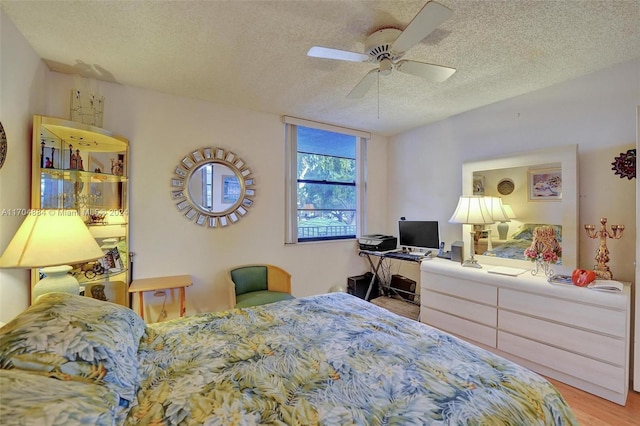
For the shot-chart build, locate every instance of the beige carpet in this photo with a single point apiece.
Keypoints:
(400, 307)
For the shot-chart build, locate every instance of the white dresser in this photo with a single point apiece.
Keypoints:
(575, 335)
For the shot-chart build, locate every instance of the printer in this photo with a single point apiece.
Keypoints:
(377, 242)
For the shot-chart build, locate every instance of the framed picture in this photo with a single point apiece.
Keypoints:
(478, 185)
(111, 261)
(545, 184)
(230, 189)
(108, 291)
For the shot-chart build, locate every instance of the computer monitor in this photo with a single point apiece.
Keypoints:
(419, 233)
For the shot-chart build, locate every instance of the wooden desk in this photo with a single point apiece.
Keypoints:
(160, 283)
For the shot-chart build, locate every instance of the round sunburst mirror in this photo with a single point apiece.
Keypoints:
(213, 186)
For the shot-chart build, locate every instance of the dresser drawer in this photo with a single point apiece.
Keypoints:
(459, 326)
(586, 316)
(460, 287)
(593, 345)
(463, 308)
(590, 370)
(575, 335)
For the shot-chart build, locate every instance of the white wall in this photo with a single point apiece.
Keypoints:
(420, 171)
(163, 129)
(22, 93)
(597, 112)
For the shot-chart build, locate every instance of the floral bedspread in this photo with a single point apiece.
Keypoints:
(329, 360)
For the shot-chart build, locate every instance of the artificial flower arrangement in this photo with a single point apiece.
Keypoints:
(545, 246)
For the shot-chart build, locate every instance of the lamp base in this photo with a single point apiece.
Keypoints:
(489, 242)
(472, 263)
(503, 230)
(57, 280)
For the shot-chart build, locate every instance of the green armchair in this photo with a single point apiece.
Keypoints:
(251, 285)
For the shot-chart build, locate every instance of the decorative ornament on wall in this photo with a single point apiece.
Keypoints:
(3, 145)
(213, 186)
(625, 164)
(87, 108)
(506, 186)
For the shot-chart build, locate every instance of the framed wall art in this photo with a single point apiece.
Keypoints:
(545, 184)
(478, 185)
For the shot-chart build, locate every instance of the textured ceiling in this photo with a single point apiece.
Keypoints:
(252, 54)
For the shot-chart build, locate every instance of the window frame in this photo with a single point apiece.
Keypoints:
(291, 178)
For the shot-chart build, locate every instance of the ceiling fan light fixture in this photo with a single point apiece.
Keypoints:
(386, 66)
(378, 44)
(387, 46)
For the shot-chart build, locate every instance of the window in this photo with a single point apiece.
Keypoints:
(325, 190)
(207, 187)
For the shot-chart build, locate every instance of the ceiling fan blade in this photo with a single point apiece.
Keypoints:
(341, 55)
(431, 72)
(428, 19)
(364, 85)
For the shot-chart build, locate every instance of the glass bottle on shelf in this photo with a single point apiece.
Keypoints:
(82, 167)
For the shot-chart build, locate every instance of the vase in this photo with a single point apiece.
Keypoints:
(540, 266)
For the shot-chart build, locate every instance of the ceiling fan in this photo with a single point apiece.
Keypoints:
(388, 45)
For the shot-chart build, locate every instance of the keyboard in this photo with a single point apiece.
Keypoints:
(415, 256)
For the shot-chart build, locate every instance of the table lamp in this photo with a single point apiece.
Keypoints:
(503, 226)
(498, 214)
(112, 226)
(471, 210)
(51, 239)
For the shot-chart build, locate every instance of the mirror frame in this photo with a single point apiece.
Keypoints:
(567, 157)
(191, 209)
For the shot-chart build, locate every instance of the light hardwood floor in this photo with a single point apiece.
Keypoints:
(591, 410)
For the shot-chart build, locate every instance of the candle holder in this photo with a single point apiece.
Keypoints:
(602, 255)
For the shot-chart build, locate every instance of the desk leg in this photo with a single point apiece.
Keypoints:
(375, 269)
(140, 301)
(182, 308)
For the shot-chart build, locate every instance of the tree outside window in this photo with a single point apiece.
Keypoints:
(326, 195)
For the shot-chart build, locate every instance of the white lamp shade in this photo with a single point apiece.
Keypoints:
(471, 210)
(510, 214)
(51, 238)
(108, 231)
(496, 209)
(112, 226)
